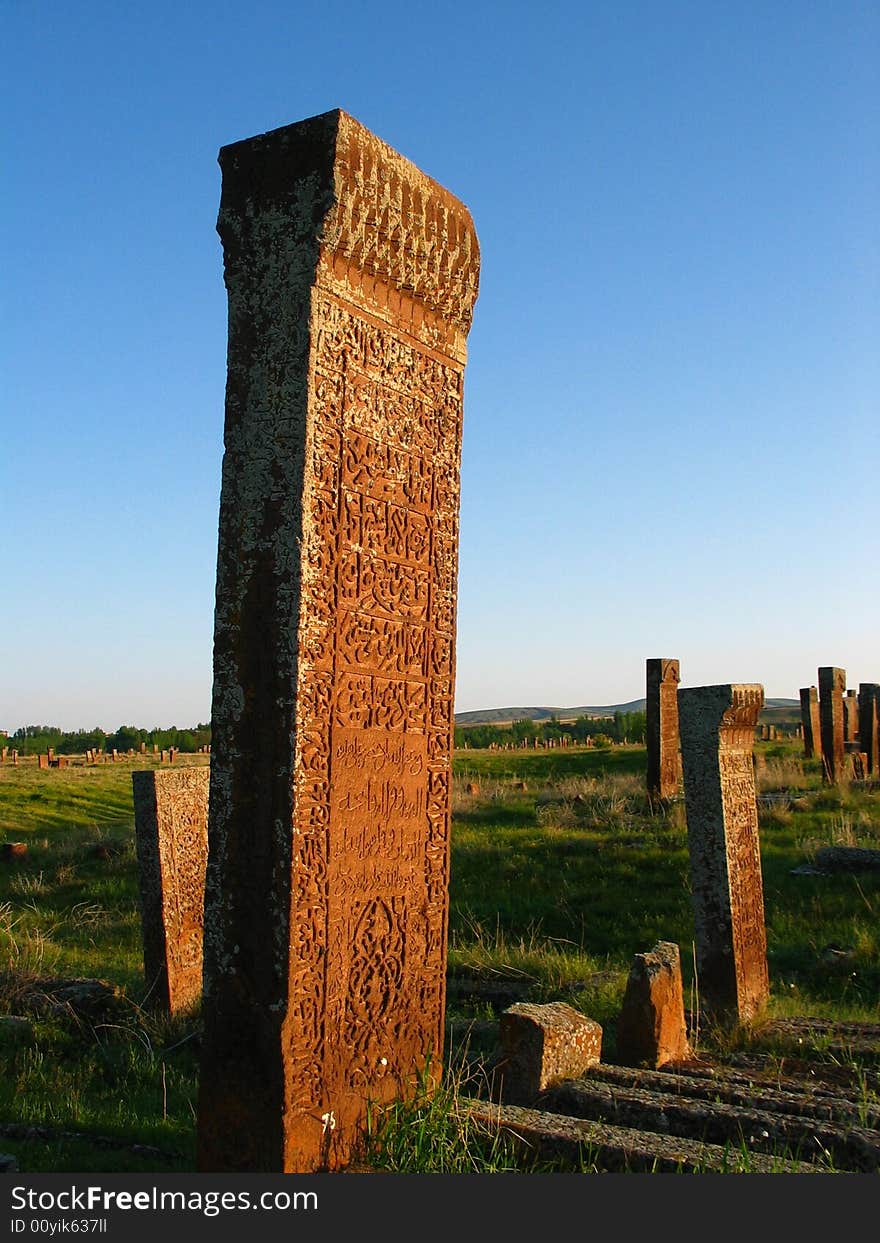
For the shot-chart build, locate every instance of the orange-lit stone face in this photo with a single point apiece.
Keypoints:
(334, 639)
(171, 827)
(717, 737)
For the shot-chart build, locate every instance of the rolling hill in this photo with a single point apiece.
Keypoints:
(779, 708)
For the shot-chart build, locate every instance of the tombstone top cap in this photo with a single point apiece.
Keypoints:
(363, 201)
(734, 703)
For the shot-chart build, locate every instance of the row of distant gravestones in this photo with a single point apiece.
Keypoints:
(838, 726)
(171, 812)
(48, 758)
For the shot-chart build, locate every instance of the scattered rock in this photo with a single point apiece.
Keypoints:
(15, 1029)
(95, 1001)
(541, 1044)
(8, 1163)
(11, 851)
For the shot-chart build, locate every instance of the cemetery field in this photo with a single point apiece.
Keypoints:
(560, 873)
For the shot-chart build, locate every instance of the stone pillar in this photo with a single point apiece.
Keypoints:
(850, 716)
(661, 727)
(717, 740)
(869, 723)
(812, 732)
(351, 279)
(171, 836)
(651, 1028)
(832, 682)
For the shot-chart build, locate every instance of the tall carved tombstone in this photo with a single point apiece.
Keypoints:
(832, 683)
(812, 731)
(171, 838)
(662, 677)
(717, 739)
(850, 716)
(351, 279)
(869, 724)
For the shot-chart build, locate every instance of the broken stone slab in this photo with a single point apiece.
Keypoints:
(850, 1147)
(651, 1029)
(804, 1097)
(92, 1000)
(540, 1044)
(27, 1132)
(616, 1149)
(825, 1036)
(847, 859)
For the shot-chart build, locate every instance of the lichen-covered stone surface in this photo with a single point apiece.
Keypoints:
(171, 834)
(351, 280)
(717, 725)
(832, 684)
(651, 1029)
(541, 1044)
(869, 724)
(662, 677)
(810, 724)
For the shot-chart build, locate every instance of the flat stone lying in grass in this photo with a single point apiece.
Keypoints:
(93, 1001)
(847, 859)
(826, 1036)
(548, 1136)
(850, 1146)
(785, 1093)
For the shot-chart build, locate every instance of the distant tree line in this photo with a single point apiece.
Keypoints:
(622, 727)
(33, 739)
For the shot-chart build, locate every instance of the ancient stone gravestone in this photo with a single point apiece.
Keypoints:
(812, 733)
(541, 1045)
(651, 1029)
(850, 716)
(662, 677)
(171, 831)
(717, 737)
(832, 683)
(351, 279)
(869, 724)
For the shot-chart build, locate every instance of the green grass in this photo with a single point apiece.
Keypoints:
(554, 886)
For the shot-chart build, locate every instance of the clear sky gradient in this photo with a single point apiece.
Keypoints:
(671, 402)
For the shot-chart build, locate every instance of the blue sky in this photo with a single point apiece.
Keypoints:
(671, 403)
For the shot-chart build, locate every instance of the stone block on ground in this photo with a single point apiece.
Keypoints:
(541, 1044)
